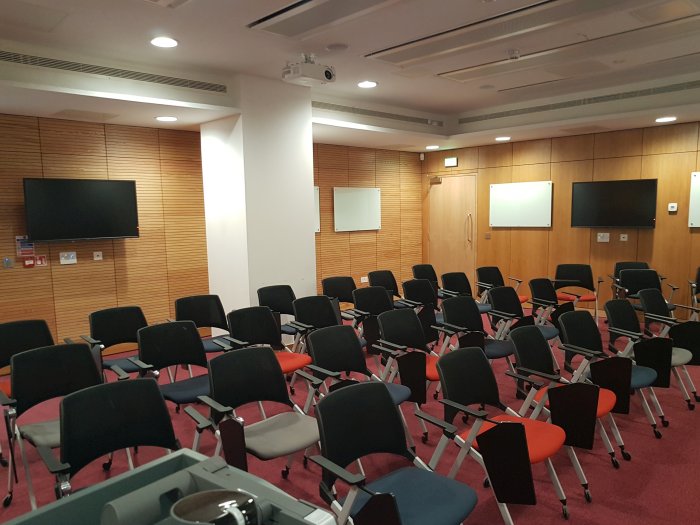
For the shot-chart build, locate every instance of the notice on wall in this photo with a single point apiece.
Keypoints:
(25, 248)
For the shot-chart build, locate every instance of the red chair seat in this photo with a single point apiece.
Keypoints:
(291, 362)
(606, 400)
(586, 298)
(5, 386)
(431, 373)
(523, 298)
(543, 439)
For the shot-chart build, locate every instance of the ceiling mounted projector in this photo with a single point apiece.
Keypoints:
(308, 72)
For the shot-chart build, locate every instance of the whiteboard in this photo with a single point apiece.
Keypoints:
(356, 209)
(317, 203)
(521, 205)
(694, 205)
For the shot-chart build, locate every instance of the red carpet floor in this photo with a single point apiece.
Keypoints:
(660, 485)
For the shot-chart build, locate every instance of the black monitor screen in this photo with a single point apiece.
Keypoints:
(71, 209)
(614, 204)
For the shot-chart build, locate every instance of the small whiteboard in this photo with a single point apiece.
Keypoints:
(317, 205)
(356, 209)
(694, 205)
(521, 205)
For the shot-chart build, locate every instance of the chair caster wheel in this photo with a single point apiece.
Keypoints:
(691, 406)
(487, 483)
(291, 390)
(106, 466)
(465, 419)
(6, 502)
(565, 512)
(697, 397)
(285, 473)
(664, 422)
(657, 434)
(587, 495)
(435, 395)
(177, 409)
(3, 461)
(424, 437)
(615, 463)
(306, 462)
(626, 455)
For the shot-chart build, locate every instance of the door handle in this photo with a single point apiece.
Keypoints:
(470, 233)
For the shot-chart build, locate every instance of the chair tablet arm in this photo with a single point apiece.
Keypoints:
(90, 340)
(543, 302)
(457, 329)
(600, 279)
(302, 327)
(338, 471)
(223, 345)
(53, 464)
(626, 333)
(619, 287)
(486, 286)
(672, 286)
(6, 401)
(443, 329)
(528, 372)
(527, 379)
(347, 316)
(323, 371)
(585, 352)
(449, 429)
(143, 366)
(202, 422)
(686, 307)
(315, 381)
(215, 406)
(236, 342)
(515, 279)
(121, 375)
(502, 315)
(661, 319)
(386, 351)
(450, 293)
(384, 342)
(408, 302)
(69, 340)
(480, 414)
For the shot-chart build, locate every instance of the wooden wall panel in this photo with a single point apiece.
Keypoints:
(493, 245)
(532, 152)
(671, 139)
(618, 143)
(397, 246)
(579, 147)
(169, 258)
(495, 155)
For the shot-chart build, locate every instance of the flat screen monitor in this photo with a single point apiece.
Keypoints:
(73, 209)
(614, 204)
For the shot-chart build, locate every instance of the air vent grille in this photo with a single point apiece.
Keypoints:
(380, 114)
(30, 60)
(584, 102)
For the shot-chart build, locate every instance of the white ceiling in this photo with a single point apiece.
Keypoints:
(477, 67)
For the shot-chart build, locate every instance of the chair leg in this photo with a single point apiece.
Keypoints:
(657, 407)
(409, 437)
(579, 472)
(647, 412)
(424, 429)
(27, 474)
(505, 514)
(557, 487)
(607, 444)
(12, 470)
(618, 438)
(683, 389)
(691, 385)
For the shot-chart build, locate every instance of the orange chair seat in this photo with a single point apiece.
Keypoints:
(431, 373)
(523, 298)
(586, 298)
(543, 439)
(5, 386)
(606, 400)
(291, 362)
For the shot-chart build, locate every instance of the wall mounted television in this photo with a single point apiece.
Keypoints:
(79, 209)
(614, 204)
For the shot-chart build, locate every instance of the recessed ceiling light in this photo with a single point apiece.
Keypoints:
(434, 146)
(662, 120)
(164, 41)
(367, 84)
(166, 119)
(502, 139)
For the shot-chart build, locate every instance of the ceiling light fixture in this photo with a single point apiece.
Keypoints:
(166, 119)
(367, 84)
(663, 120)
(502, 139)
(164, 41)
(434, 146)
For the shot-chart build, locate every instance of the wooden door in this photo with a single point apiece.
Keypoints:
(452, 225)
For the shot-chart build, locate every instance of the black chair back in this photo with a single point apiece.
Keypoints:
(425, 271)
(621, 314)
(206, 311)
(580, 275)
(337, 348)
(256, 325)
(317, 311)
(384, 278)
(532, 350)
(423, 291)
(372, 299)
(340, 288)
(636, 280)
(457, 282)
(579, 329)
(542, 289)
(116, 325)
(278, 298)
(463, 311)
(489, 275)
(628, 265)
(402, 327)
(113, 416)
(18, 336)
(505, 299)
(168, 344)
(653, 302)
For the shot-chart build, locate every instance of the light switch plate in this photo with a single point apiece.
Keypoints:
(364, 279)
(672, 206)
(96, 256)
(623, 237)
(68, 258)
(603, 237)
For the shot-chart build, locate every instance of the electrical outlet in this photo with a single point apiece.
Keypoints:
(364, 279)
(603, 237)
(623, 237)
(96, 256)
(68, 258)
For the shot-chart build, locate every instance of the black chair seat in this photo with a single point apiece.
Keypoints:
(495, 349)
(423, 497)
(187, 390)
(288, 329)
(210, 345)
(125, 364)
(399, 393)
(549, 332)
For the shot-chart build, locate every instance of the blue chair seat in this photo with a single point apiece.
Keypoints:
(642, 376)
(187, 390)
(495, 349)
(549, 332)
(483, 307)
(123, 363)
(288, 329)
(423, 497)
(399, 393)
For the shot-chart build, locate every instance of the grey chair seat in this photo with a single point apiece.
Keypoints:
(549, 332)
(281, 435)
(211, 346)
(44, 434)
(680, 356)
(495, 349)
(288, 329)
(125, 364)
(642, 376)
(483, 307)
(187, 390)
(423, 497)
(399, 393)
